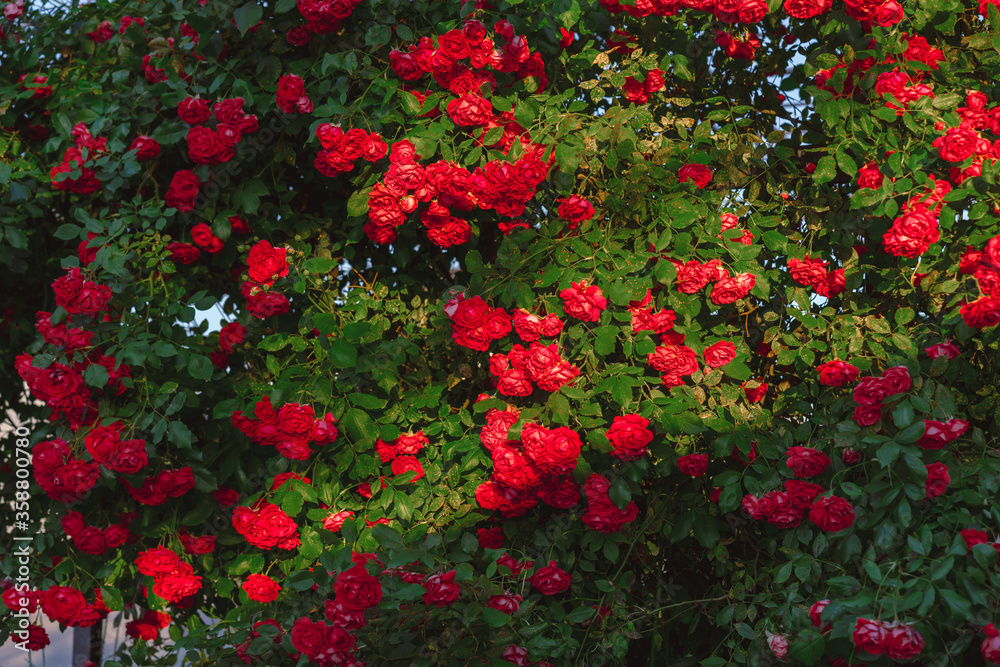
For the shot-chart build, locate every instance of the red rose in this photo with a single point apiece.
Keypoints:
(470, 109)
(837, 373)
(554, 451)
(832, 513)
(356, 589)
(699, 173)
(807, 9)
(869, 636)
(583, 301)
(902, 642)
(937, 480)
(871, 391)
(816, 611)
(806, 461)
(898, 379)
(183, 253)
(441, 589)
(267, 263)
(146, 148)
(982, 313)
(802, 493)
(405, 464)
(551, 579)
(673, 361)
(203, 236)
(957, 144)
(261, 588)
(490, 538)
(575, 209)
(291, 95)
(193, 111)
(225, 497)
(62, 604)
(869, 176)
(629, 435)
(728, 290)
(232, 334)
(157, 561)
(807, 271)
(454, 45)
(183, 190)
(308, 637)
(562, 494)
(229, 111)
(719, 354)
(694, 465)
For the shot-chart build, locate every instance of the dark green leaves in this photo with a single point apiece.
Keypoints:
(247, 16)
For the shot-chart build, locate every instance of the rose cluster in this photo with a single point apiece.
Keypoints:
(62, 335)
(166, 484)
(812, 272)
(474, 324)
(266, 526)
(938, 434)
(602, 514)
(292, 96)
(583, 301)
(744, 48)
(984, 265)
(470, 43)
(62, 476)
(67, 605)
(872, 390)
(401, 453)
(341, 149)
(530, 327)
(265, 265)
(61, 388)
(74, 159)
(106, 447)
(325, 16)
(913, 232)
(731, 221)
(93, 540)
(644, 319)
(173, 578)
(896, 640)
(147, 628)
(79, 296)
(528, 470)
(638, 92)
(230, 335)
(213, 147)
(514, 372)
(497, 185)
(290, 429)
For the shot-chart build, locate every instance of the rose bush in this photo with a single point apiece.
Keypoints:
(546, 333)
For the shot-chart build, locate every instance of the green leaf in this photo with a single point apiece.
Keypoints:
(826, 170)
(311, 546)
(96, 375)
(619, 493)
(343, 354)
(357, 205)
(360, 427)
(320, 264)
(247, 17)
(961, 609)
(112, 598)
(200, 367)
(494, 617)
